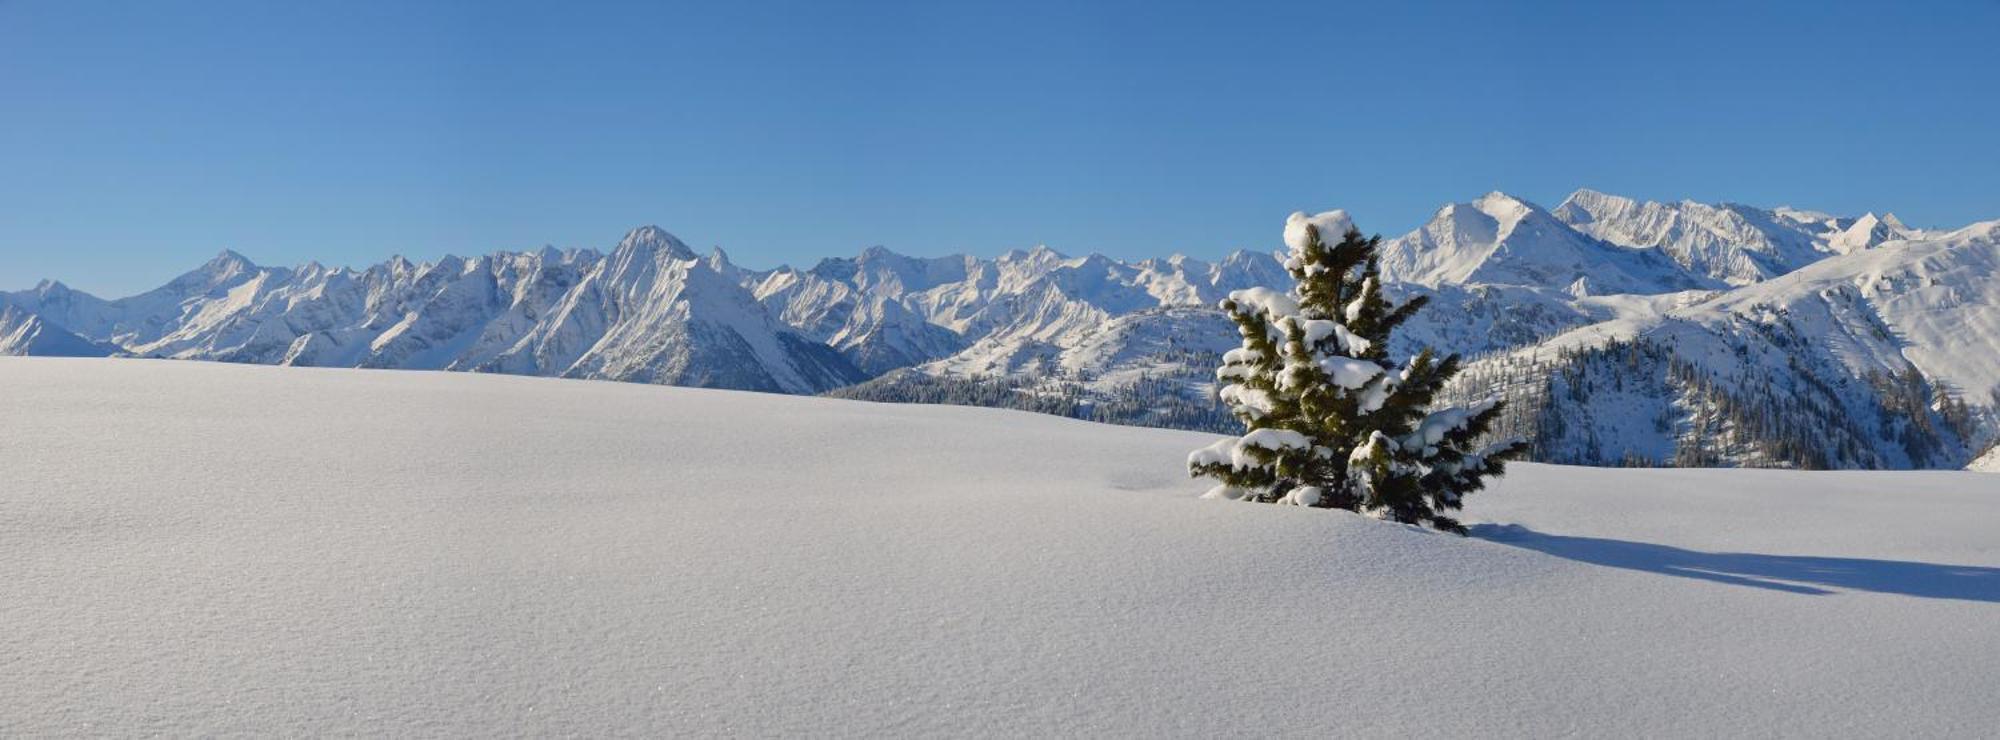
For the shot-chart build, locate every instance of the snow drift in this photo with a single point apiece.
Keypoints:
(205, 549)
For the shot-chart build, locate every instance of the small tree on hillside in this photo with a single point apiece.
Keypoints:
(1330, 421)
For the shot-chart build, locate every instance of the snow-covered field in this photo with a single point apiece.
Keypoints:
(197, 549)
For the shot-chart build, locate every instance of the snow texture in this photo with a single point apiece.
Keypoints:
(1987, 463)
(211, 549)
(1331, 225)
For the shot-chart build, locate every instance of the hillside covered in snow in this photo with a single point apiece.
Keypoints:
(1749, 336)
(206, 549)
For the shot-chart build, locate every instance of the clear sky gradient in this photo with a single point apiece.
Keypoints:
(137, 139)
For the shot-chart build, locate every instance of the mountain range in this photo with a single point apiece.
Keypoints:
(1625, 331)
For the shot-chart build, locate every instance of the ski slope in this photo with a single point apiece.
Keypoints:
(204, 549)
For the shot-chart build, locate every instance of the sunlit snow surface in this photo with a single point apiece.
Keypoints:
(197, 549)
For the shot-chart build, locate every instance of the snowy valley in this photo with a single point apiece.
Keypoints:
(1622, 332)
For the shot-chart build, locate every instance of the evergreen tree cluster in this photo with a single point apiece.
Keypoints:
(1330, 421)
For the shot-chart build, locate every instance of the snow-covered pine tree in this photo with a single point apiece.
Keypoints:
(1329, 420)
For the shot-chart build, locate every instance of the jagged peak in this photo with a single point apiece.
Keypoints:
(226, 263)
(1885, 224)
(1495, 215)
(651, 238)
(1479, 211)
(878, 252)
(837, 268)
(223, 268)
(1802, 215)
(1503, 206)
(1040, 253)
(231, 257)
(718, 261)
(1585, 202)
(1867, 232)
(550, 253)
(1094, 258)
(1244, 255)
(1583, 194)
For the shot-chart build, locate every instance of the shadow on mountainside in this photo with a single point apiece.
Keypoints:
(1789, 573)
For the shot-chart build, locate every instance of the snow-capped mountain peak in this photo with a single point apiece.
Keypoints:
(1730, 243)
(225, 268)
(228, 261)
(1501, 239)
(24, 333)
(1590, 201)
(1503, 273)
(1039, 256)
(648, 240)
(1505, 209)
(1868, 232)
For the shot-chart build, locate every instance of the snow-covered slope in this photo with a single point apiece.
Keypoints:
(208, 549)
(1932, 304)
(1876, 358)
(1987, 463)
(23, 333)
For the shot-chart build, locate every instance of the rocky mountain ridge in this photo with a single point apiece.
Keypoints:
(1823, 300)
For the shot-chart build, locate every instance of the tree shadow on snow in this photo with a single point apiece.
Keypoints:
(1789, 573)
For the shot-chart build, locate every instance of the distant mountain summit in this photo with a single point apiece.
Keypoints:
(649, 311)
(1707, 324)
(24, 333)
(1733, 243)
(1500, 239)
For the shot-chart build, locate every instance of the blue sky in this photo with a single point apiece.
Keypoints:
(137, 139)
